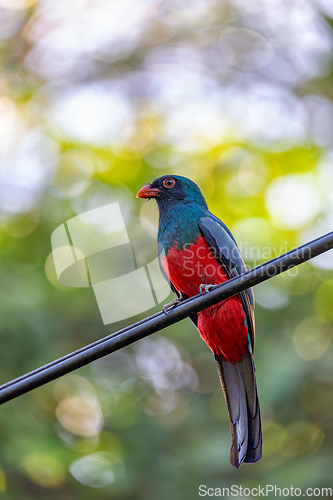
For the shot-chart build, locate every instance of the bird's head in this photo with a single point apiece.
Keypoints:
(172, 189)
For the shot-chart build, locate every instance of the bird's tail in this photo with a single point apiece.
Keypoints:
(239, 385)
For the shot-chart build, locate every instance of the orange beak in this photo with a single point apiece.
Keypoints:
(148, 192)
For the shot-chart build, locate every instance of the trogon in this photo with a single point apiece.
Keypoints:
(197, 250)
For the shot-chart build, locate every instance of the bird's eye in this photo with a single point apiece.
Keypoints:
(169, 183)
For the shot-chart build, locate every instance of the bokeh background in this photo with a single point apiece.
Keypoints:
(98, 98)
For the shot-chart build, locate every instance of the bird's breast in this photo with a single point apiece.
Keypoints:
(191, 266)
(223, 325)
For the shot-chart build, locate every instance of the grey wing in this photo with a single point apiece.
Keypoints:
(227, 253)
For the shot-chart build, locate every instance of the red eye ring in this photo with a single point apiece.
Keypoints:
(169, 182)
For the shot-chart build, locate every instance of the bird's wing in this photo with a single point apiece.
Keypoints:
(228, 255)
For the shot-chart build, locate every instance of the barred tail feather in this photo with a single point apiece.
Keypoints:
(240, 391)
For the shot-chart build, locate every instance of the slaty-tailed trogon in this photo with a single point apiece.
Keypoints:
(196, 248)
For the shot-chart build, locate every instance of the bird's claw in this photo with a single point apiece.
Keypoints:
(205, 288)
(171, 305)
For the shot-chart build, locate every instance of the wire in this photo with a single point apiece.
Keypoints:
(160, 320)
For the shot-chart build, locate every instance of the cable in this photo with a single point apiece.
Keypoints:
(160, 320)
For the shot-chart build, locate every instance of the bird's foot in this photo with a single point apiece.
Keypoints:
(171, 305)
(205, 288)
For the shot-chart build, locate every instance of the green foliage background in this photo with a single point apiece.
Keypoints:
(150, 421)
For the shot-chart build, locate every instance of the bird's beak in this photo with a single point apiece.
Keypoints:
(148, 192)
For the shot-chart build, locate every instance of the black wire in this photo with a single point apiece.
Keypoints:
(112, 335)
(160, 320)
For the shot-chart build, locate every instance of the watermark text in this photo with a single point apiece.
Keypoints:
(263, 491)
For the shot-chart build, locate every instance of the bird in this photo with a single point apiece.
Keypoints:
(196, 250)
